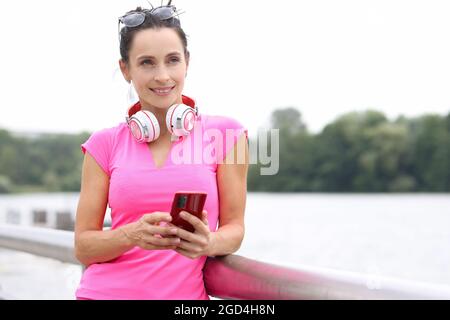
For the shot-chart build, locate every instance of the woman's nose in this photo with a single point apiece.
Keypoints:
(162, 75)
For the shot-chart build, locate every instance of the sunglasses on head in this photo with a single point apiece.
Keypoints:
(163, 12)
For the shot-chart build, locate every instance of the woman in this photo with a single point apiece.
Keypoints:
(144, 255)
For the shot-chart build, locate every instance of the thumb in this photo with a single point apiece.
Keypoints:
(205, 216)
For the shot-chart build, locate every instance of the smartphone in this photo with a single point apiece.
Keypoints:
(190, 201)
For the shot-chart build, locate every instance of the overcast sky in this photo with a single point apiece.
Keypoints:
(324, 57)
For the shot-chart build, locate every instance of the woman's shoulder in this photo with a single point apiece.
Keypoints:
(110, 132)
(107, 135)
(221, 122)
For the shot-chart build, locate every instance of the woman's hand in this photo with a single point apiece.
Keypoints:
(198, 243)
(148, 233)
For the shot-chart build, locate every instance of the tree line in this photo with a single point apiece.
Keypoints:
(357, 152)
(44, 163)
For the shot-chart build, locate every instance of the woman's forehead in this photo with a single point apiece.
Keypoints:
(156, 42)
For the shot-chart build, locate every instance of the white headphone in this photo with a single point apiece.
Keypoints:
(180, 119)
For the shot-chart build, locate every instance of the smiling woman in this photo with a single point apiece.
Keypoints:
(131, 168)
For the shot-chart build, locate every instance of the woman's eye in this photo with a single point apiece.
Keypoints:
(150, 62)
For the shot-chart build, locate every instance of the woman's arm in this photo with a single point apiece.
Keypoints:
(92, 244)
(232, 187)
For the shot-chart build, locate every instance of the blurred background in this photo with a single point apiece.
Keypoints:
(358, 90)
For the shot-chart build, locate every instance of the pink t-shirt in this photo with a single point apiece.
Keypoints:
(138, 187)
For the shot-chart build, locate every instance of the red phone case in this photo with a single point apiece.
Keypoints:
(190, 201)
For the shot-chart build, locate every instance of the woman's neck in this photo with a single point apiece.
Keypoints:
(160, 114)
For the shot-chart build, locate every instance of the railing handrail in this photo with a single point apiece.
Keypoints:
(237, 277)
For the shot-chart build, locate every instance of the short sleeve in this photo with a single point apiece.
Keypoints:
(230, 131)
(99, 146)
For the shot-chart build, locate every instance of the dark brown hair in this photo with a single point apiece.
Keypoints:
(150, 22)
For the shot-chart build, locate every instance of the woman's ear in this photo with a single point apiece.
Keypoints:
(187, 67)
(187, 57)
(125, 71)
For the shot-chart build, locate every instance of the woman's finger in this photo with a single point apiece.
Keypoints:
(198, 224)
(166, 231)
(205, 217)
(156, 241)
(185, 253)
(191, 237)
(157, 217)
(189, 246)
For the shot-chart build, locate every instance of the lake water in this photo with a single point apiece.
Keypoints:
(405, 236)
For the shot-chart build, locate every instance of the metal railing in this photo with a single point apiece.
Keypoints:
(237, 277)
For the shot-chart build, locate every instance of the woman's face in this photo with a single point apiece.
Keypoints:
(156, 60)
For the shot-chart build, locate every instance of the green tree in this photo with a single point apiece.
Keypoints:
(294, 162)
(430, 151)
(338, 148)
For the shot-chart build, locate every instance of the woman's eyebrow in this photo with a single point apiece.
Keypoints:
(152, 57)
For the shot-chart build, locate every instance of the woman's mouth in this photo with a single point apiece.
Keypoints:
(162, 91)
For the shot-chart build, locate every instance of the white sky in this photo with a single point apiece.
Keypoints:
(325, 57)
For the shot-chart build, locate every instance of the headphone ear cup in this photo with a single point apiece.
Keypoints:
(180, 119)
(144, 126)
